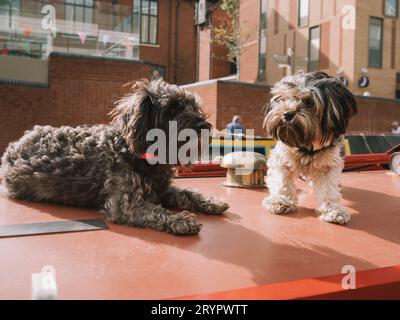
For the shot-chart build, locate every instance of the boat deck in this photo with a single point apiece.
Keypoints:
(246, 247)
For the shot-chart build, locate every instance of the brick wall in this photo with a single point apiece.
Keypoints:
(342, 50)
(204, 60)
(245, 100)
(179, 57)
(207, 90)
(220, 65)
(249, 19)
(224, 99)
(175, 23)
(213, 60)
(375, 115)
(227, 99)
(81, 90)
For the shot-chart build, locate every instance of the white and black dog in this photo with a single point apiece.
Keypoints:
(308, 115)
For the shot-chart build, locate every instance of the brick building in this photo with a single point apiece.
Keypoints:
(80, 90)
(160, 32)
(213, 59)
(74, 75)
(356, 40)
(223, 99)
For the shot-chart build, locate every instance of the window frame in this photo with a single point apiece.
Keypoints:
(299, 25)
(309, 48)
(262, 57)
(380, 66)
(149, 16)
(397, 10)
(83, 6)
(12, 7)
(121, 24)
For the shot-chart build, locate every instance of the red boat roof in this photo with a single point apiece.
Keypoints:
(247, 247)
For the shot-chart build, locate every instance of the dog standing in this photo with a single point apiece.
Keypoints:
(102, 166)
(308, 115)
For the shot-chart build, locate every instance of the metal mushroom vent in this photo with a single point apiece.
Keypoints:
(245, 169)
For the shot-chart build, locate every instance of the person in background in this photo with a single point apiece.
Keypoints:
(156, 75)
(395, 128)
(235, 126)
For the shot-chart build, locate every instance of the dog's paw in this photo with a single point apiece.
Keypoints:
(183, 224)
(337, 215)
(279, 206)
(213, 206)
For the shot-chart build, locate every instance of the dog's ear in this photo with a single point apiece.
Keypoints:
(265, 111)
(135, 115)
(338, 103)
(273, 96)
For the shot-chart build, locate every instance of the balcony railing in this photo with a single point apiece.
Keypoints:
(98, 28)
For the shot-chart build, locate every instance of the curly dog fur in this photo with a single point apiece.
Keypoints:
(100, 166)
(308, 115)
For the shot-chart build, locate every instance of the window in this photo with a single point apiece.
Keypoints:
(375, 42)
(314, 49)
(79, 10)
(398, 86)
(4, 7)
(304, 9)
(145, 20)
(9, 9)
(262, 58)
(121, 17)
(391, 8)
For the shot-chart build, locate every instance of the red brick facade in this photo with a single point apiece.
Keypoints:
(80, 91)
(213, 59)
(83, 91)
(249, 23)
(180, 57)
(224, 99)
(343, 51)
(176, 47)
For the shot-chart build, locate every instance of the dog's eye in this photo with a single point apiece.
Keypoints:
(309, 103)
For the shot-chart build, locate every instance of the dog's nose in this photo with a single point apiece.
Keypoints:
(289, 115)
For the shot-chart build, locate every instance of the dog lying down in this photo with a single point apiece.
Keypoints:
(101, 166)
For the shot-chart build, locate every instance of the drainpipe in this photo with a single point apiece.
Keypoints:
(170, 58)
(178, 4)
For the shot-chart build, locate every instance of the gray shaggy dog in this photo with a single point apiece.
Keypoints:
(101, 166)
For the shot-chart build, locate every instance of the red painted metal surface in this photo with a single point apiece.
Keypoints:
(245, 248)
(377, 284)
(361, 162)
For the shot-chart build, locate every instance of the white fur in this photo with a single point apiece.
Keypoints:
(323, 169)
